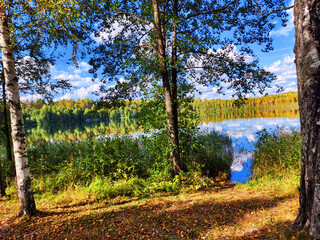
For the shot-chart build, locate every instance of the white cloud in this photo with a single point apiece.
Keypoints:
(285, 31)
(76, 76)
(85, 66)
(105, 34)
(202, 88)
(83, 92)
(82, 67)
(291, 89)
(30, 97)
(285, 71)
(66, 96)
(289, 59)
(274, 67)
(75, 80)
(258, 127)
(286, 76)
(121, 24)
(83, 85)
(248, 58)
(238, 159)
(94, 87)
(210, 95)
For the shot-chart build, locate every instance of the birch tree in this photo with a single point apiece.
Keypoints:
(307, 50)
(27, 203)
(34, 27)
(179, 45)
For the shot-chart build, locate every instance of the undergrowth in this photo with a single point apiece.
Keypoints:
(277, 154)
(111, 166)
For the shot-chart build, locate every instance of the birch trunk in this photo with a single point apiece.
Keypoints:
(27, 204)
(307, 50)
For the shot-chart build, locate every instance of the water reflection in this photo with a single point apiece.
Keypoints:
(240, 126)
(243, 134)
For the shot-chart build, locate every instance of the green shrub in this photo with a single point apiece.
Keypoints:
(211, 153)
(128, 165)
(277, 153)
(132, 187)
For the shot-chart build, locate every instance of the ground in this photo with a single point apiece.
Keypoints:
(237, 212)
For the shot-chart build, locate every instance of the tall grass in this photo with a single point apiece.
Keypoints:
(127, 165)
(277, 153)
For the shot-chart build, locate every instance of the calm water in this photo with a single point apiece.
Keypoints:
(243, 134)
(241, 130)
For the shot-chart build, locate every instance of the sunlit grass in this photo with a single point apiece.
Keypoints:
(190, 206)
(263, 209)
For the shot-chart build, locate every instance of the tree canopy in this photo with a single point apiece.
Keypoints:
(213, 40)
(40, 32)
(170, 47)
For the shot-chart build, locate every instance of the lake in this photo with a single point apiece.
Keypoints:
(243, 133)
(241, 130)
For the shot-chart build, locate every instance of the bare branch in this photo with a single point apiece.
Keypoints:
(274, 11)
(224, 7)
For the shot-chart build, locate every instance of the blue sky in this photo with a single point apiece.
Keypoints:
(280, 61)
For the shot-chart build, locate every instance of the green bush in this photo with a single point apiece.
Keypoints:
(132, 187)
(211, 153)
(277, 153)
(58, 166)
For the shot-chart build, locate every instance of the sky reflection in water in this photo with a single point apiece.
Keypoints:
(243, 133)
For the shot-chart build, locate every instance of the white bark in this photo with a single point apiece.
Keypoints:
(27, 204)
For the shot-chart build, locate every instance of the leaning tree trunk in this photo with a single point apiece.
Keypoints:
(169, 95)
(307, 50)
(27, 204)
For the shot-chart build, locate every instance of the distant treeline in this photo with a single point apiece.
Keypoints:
(67, 113)
(214, 107)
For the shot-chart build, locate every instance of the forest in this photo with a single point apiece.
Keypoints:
(136, 162)
(80, 119)
(72, 112)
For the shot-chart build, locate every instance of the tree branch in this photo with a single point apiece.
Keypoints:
(274, 11)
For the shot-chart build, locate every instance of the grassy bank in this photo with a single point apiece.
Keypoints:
(190, 206)
(246, 211)
(132, 166)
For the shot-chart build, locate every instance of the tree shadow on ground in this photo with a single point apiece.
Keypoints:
(181, 219)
